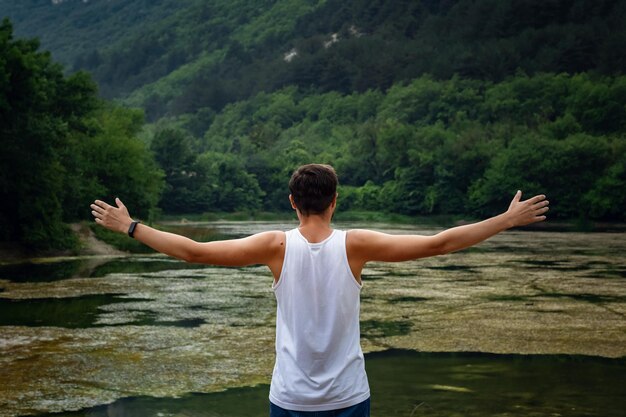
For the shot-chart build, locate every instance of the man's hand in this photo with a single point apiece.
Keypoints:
(113, 218)
(521, 213)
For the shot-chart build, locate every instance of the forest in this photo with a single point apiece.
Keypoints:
(422, 147)
(61, 147)
(423, 107)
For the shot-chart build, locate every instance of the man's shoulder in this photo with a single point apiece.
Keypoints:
(270, 236)
(358, 238)
(271, 243)
(360, 234)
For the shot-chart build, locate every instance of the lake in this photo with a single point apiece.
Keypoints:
(527, 323)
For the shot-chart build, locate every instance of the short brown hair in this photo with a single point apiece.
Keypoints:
(313, 188)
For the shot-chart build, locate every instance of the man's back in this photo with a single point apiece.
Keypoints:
(319, 362)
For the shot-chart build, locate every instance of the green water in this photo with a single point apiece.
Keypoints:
(40, 272)
(69, 312)
(88, 267)
(147, 335)
(406, 383)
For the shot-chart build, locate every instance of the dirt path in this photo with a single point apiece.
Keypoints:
(90, 245)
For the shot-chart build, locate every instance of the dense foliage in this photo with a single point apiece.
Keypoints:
(155, 53)
(428, 146)
(61, 148)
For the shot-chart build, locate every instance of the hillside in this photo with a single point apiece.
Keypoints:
(72, 28)
(155, 54)
(424, 107)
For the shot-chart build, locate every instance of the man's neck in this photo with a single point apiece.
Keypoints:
(315, 227)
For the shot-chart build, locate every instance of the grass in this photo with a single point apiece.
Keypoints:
(342, 216)
(118, 240)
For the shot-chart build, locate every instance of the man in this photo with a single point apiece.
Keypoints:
(319, 366)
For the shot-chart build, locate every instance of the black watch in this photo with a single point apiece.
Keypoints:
(131, 229)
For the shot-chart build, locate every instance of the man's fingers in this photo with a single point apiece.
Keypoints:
(119, 203)
(102, 204)
(517, 196)
(97, 208)
(536, 199)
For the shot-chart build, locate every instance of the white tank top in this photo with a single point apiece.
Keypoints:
(319, 362)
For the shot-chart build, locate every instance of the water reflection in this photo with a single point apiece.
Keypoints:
(466, 384)
(137, 265)
(406, 383)
(70, 312)
(40, 272)
(51, 270)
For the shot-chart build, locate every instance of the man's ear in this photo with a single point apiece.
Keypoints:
(293, 203)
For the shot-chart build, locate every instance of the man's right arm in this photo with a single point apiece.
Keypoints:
(265, 248)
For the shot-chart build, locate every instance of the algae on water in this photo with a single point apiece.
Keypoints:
(101, 328)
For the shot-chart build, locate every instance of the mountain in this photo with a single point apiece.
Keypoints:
(70, 28)
(177, 56)
(423, 106)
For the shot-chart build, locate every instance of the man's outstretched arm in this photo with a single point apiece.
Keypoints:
(263, 248)
(365, 245)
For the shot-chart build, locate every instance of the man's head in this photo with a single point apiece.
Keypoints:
(313, 188)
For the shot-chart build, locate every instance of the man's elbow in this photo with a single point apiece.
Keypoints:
(186, 256)
(192, 255)
(189, 258)
(445, 249)
(440, 246)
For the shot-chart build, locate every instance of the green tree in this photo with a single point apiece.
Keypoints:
(62, 148)
(121, 162)
(607, 197)
(564, 170)
(224, 185)
(175, 152)
(39, 110)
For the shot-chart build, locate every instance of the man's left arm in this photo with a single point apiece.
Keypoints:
(366, 245)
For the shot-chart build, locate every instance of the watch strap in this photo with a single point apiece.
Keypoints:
(131, 229)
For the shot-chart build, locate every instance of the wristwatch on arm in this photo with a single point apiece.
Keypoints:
(131, 229)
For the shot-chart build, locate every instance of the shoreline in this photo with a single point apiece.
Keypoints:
(90, 244)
